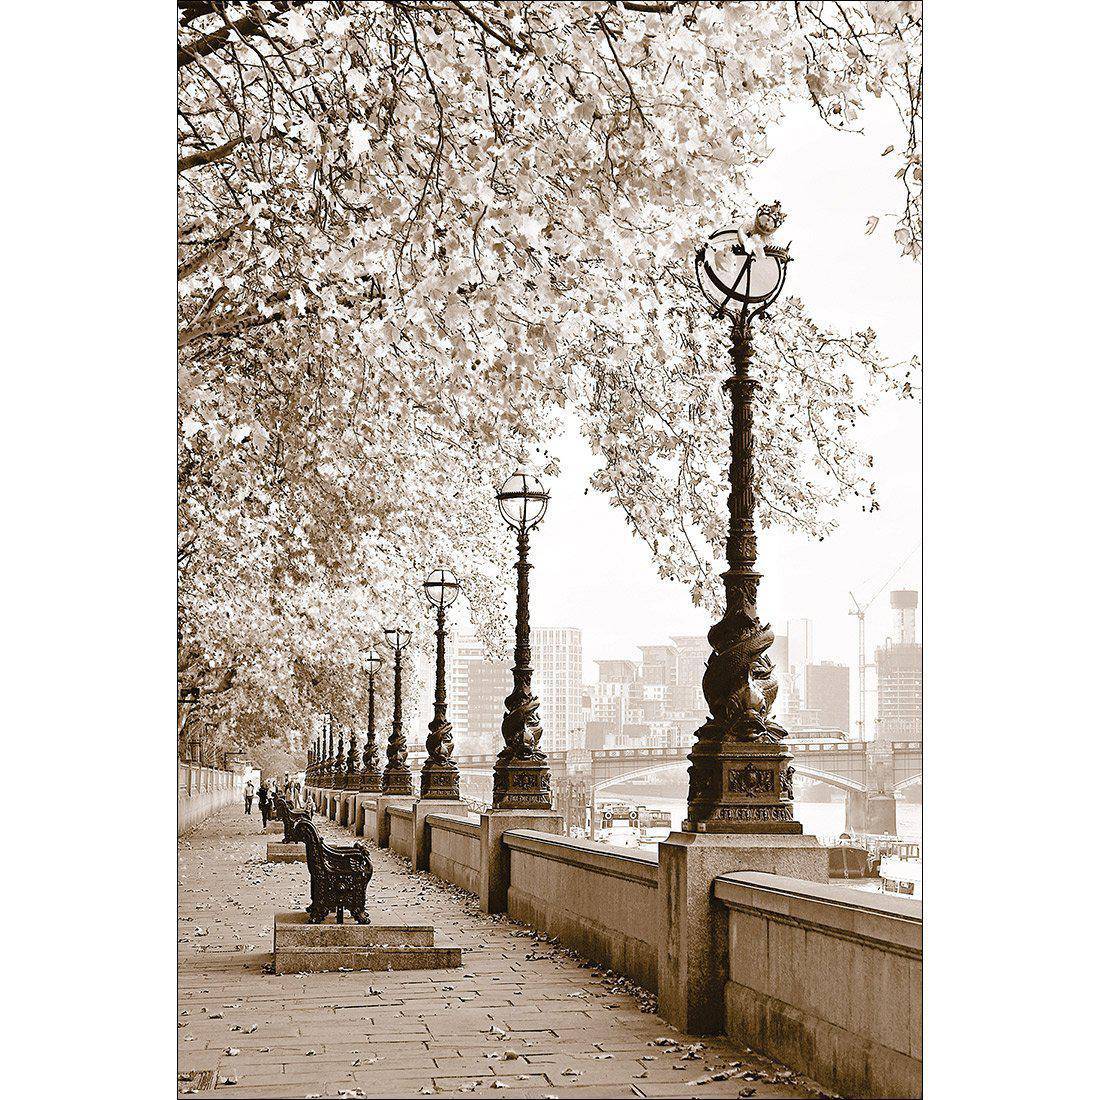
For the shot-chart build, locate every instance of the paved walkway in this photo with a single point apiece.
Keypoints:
(520, 1014)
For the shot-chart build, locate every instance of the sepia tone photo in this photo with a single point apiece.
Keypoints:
(550, 580)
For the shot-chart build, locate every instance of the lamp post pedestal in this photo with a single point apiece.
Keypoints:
(495, 862)
(693, 933)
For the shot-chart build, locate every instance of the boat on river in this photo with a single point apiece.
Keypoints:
(902, 876)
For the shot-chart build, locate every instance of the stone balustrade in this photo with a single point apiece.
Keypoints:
(201, 791)
(823, 978)
(827, 980)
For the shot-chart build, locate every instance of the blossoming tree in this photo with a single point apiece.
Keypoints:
(412, 235)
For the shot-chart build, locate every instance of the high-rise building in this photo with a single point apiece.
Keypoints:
(692, 653)
(904, 603)
(608, 701)
(828, 693)
(900, 676)
(476, 690)
(556, 655)
(618, 672)
(658, 664)
(800, 643)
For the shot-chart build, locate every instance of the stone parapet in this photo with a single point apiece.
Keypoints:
(202, 791)
(826, 979)
(597, 900)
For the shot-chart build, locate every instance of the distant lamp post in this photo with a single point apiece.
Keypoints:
(339, 767)
(397, 778)
(521, 777)
(439, 775)
(740, 778)
(370, 779)
(351, 781)
(327, 741)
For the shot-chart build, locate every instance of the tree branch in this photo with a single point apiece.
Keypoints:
(207, 156)
(211, 43)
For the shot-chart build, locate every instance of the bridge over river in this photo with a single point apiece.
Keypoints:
(871, 776)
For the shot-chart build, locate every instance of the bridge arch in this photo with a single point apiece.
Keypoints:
(911, 781)
(848, 785)
(640, 773)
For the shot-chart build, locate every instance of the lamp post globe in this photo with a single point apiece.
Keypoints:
(441, 588)
(439, 775)
(736, 280)
(397, 777)
(370, 778)
(521, 776)
(522, 501)
(740, 778)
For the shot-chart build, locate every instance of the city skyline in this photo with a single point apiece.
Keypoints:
(651, 694)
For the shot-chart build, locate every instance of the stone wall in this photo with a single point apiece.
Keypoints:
(401, 831)
(600, 901)
(201, 791)
(823, 978)
(827, 980)
(455, 850)
(366, 817)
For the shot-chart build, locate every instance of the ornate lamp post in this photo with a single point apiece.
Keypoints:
(740, 778)
(339, 767)
(397, 778)
(351, 779)
(521, 778)
(439, 775)
(327, 773)
(370, 779)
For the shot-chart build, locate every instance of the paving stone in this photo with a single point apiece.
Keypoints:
(406, 1033)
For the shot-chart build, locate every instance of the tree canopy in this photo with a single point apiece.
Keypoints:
(413, 235)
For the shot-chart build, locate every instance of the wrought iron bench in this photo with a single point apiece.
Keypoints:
(289, 817)
(338, 877)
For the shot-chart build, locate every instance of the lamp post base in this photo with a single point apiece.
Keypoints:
(741, 787)
(522, 785)
(370, 782)
(397, 782)
(439, 782)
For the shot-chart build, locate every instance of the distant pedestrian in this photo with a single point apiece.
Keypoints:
(249, 791)
(309, 805)
(263, 795)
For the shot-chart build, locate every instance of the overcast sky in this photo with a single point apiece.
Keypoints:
(589, 571)
(592, 574)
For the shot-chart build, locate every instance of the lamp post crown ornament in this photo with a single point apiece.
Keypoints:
(740, 778)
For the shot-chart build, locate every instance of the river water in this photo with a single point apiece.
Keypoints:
(825, 820)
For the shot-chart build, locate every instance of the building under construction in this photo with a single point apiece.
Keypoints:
(899, 675)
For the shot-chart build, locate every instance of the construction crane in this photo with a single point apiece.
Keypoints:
(860, 612)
